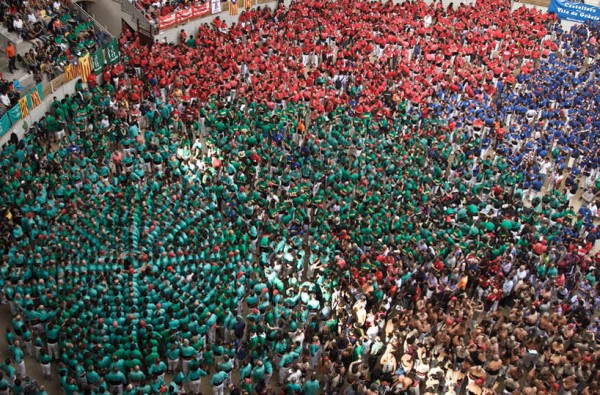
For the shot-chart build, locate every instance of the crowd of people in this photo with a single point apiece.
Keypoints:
(58, 34)
(337, 197)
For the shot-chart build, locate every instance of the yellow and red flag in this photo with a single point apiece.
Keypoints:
(70, 72)
(23, 106)
(233, 7)
(85, 67)
(35, 99)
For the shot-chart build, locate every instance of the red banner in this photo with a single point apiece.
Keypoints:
(201, 10)
(167, 21)
(184, 15)
(181, 17)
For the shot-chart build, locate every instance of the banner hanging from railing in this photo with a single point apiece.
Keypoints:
(85, 67)
(167, 21)
(23, 106)
(70, 72)
(183, 16)
(112, 52)
(14, 114)
(574, 11)
(4, 124)
(201, 10)
(215, 7)
(36, 96)
(26, 103)
(233, 7)
(97, 61)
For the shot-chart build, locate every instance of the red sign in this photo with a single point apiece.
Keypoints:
(167, 21)
(201, 10)
(183, 16)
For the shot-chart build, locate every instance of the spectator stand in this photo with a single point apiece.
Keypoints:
(68, 35)
(144, 21)
(174, 14)
(84, 69)
(156, 10)
(50, 36)
(102, 35)
(21, 75)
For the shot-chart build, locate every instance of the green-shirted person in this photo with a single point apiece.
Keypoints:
(136, 375)
(4, 385)
(311, 386)
(45, 363)
(194, 378)
(116, 379)
(218, 382)
(188, 352)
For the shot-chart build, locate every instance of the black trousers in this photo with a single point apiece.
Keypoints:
(11, 64)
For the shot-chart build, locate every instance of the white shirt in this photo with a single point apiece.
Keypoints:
(31, 18)
(422, 369)
(295, 376)
(18, 24)
(521, 274)
(545, 167)
(427, 20)
(594, 209)
(507, 287)
(372, 332)
(5, 100)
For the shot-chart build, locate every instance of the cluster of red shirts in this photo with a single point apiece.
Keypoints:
(467, 51)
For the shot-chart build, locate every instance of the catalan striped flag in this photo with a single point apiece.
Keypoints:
(23, 105)
(248, 4)
(233, 7)
(85, 67)
(35, 99)
(70, 72)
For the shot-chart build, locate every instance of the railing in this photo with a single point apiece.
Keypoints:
(83, 12)
(143, 19)
(183, 16)
(79, 68)
(38, 100)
